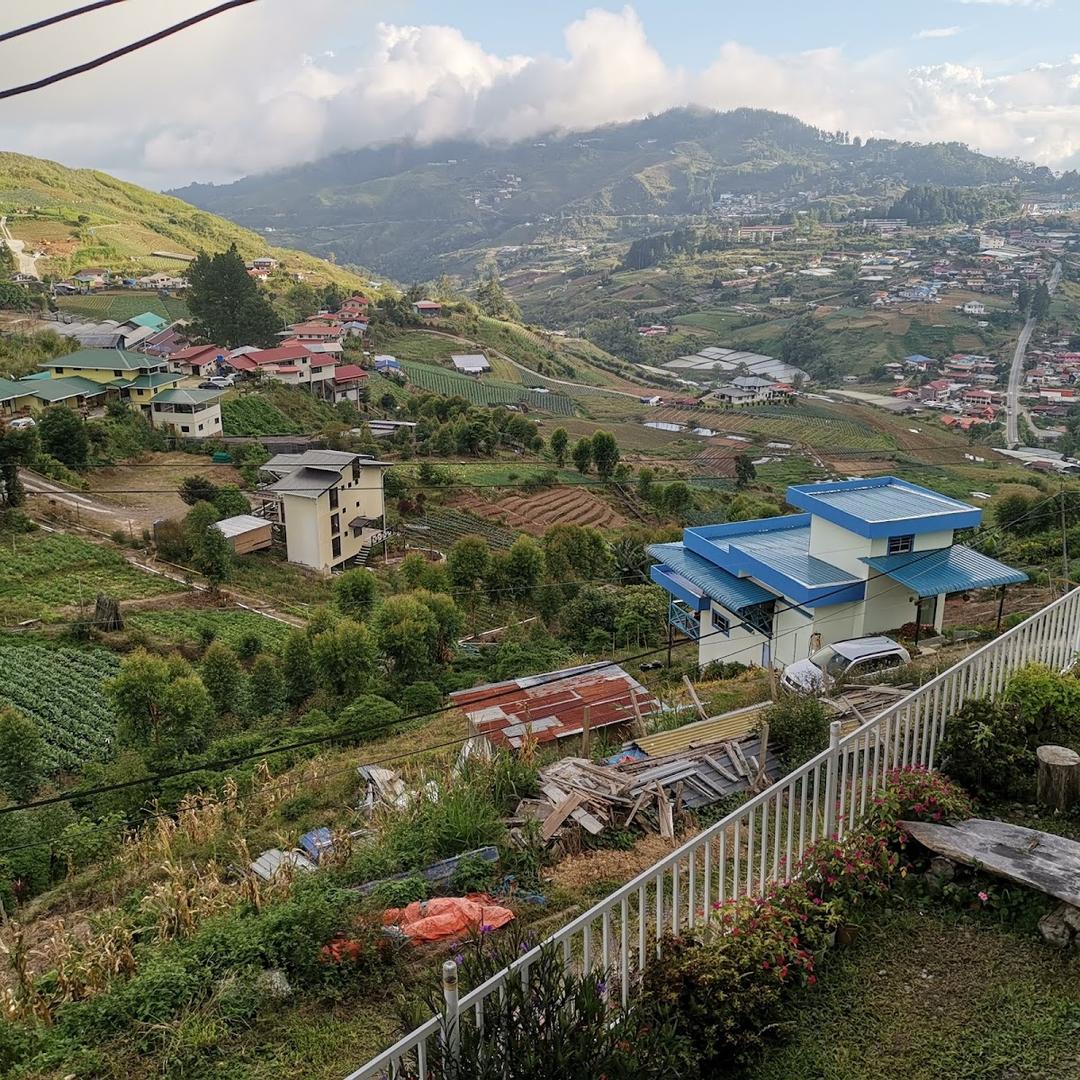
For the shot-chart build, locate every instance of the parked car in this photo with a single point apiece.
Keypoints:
(854, 660)
(21, 423)
(218, 382)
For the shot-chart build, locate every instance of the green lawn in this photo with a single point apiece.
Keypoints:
(935, 997)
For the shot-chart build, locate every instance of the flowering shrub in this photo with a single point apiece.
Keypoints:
(916, 794)
(726, 983)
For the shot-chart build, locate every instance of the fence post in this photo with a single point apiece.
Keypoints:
(832, 767)
(452, 1036)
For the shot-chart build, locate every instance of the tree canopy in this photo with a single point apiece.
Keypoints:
(227, 305)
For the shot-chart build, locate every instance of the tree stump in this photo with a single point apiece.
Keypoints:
(1058, 777)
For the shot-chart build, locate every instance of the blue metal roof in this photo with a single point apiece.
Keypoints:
(883, 506)
(733, 593)
(788, 552)
(945, 570)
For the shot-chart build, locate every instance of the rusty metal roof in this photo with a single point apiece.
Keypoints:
(552, 706)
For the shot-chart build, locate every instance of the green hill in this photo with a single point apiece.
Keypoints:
(402, 206)
(81, 218)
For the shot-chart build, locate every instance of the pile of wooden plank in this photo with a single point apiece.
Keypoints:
(646, 794)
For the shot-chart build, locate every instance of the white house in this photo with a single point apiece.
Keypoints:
(974, 307)
(190, 414)
(865, 557)
(331, 504)
(470, 363)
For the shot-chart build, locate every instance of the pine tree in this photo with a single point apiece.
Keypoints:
(226, 303)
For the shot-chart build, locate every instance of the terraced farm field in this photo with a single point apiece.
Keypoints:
(63, 691)
(535, 514)
(484, 391)
(441, 527)
(792, 426)
(122, 306)
(41, 572)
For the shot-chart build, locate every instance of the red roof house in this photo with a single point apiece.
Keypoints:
(192, 359)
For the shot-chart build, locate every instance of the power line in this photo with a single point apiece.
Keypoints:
(318, 740)
(53, 19)
(124, 50)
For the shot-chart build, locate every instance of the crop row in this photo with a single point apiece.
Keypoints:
(442, 527)
(484, 391)
(62, 690)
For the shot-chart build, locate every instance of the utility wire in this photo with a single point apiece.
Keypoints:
(124, 50)
(7, 35)
(349, 733)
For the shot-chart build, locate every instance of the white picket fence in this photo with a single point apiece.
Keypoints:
(764, 839)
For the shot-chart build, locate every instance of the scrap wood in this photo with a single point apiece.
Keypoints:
(560, 814)
(695, 699)
(667, 822)
(586, 820)
(636, 807)
(726, 773)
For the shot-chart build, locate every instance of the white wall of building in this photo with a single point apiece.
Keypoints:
(738, 646)
(204, 424)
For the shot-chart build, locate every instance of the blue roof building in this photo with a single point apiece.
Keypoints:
(861, 557)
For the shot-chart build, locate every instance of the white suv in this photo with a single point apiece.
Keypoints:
(853, 660)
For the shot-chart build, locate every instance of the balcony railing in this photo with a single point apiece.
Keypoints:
(761, 841)
(684, 620)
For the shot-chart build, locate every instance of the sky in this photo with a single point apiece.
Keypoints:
(283, 81)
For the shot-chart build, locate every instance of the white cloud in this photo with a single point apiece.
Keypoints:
(258, 88)
(937, 32)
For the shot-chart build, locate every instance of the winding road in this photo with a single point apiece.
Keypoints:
(1012, 397)
(25, 264)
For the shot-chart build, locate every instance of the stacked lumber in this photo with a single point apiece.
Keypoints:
(576, 793)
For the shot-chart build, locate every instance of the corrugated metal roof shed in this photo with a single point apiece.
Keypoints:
(552, 706)
(787, 550)
(945, 570)
(730, 725)
(240, 524)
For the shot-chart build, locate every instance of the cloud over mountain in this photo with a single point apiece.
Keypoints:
(266, 86)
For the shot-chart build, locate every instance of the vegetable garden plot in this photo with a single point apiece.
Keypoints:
(484, 391)
(192, 627)
(63, 691)
(254, 415)
(40, 572)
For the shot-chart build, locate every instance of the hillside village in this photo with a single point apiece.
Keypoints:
(350, 629)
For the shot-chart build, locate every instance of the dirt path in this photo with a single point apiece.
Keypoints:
(26, 264)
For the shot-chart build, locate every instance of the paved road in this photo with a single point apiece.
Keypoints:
(24, 263)
(1012, 398)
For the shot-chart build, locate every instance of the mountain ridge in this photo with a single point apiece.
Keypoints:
(399, 205)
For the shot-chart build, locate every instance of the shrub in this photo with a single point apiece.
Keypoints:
(420, 697)
(727, 982)
(557, 1023)
(989, 747)
(799, 724)
(368, 715)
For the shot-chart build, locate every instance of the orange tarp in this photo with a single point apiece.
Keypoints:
(447, 917)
